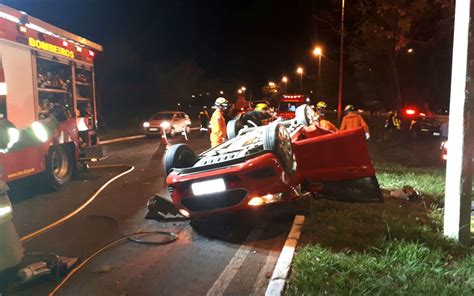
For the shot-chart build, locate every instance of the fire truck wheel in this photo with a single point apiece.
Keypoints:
(277, 140)
(59, 167)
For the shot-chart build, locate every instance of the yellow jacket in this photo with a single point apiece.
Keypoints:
(218, 128)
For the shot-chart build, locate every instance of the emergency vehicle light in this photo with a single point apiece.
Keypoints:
(410, 111)
(91, 53)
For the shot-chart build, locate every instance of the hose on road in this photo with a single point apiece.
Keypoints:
(172, 237)
(84, 205)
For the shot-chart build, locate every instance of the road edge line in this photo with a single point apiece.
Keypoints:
(278, 281)
(121, 139)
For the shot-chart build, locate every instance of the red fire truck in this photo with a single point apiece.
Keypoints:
(288, 105)
(44, 68)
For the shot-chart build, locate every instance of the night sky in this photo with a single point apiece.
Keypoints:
(249, 41)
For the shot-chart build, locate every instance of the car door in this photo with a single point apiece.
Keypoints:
(339, 165)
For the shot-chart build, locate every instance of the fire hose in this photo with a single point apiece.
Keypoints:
(172, 237)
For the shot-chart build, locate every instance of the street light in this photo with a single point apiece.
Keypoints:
(221, 92)
(318, 52)
(300, 71)
(284, 79)
(243, 88)
(239, 91)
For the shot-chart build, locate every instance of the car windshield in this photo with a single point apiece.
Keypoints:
(289, 107)
(163, 116)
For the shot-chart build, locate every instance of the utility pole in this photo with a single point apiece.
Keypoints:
(457, 205)
(341, 65)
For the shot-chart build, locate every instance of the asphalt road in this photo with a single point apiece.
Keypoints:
(231, 255)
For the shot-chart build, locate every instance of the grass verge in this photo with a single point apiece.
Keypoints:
(391, 248)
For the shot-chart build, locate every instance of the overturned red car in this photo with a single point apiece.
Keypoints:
(268, 164)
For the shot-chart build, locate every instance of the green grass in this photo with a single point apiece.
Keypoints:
(398, 268)
(390, 248)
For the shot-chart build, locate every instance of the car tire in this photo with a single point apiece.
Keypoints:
(277, 140)
(59, 167)
(233, 128)
(178, 156)
(304, 115)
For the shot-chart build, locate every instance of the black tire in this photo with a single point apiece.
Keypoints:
(304, 115)
(233, 128)
(178, 156)
(59, 167)
(277, 140)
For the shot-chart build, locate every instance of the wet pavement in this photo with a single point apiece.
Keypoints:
(232, 255)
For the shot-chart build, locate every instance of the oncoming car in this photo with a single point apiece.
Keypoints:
(268, 164)
(169, 122)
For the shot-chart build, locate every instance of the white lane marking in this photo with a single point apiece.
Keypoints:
(121, 139)
(278, 282)
(224, 279)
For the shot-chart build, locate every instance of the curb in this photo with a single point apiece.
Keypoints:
(277, 283)
(121, 139)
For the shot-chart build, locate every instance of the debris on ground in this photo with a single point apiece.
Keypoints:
(407, 192)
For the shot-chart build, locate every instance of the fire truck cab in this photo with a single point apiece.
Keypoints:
(45, 70)
(288, 104)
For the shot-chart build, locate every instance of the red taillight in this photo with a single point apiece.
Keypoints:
(410, 111)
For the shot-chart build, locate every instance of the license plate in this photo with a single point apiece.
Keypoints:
(153, 129)
(208, 187)
(436, 134)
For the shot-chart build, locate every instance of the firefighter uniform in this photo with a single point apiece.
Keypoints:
(218, 123)
(353, 120)
(326, 124)
(218, 128)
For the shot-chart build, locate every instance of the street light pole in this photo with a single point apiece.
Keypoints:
(285, 81)
(300, 71)
(318, 52)
(341, 65)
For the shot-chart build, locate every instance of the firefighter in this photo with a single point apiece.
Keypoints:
(259, 116)
(392, 125)
(218, 123)
(353, 120)
(321, 108)
(204, 118)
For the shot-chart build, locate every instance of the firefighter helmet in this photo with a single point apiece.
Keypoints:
(349, 108)
(222, 103)
(261, 107)
(321, 105)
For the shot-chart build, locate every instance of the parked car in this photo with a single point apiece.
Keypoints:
(267, 164)
(169, 122)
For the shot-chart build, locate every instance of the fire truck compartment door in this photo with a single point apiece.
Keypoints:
(21, 163)
(339, 163)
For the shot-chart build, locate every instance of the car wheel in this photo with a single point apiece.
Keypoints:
(233, 128)
(304, 115)
(178, 156)
(277, 140)
(59, 167)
